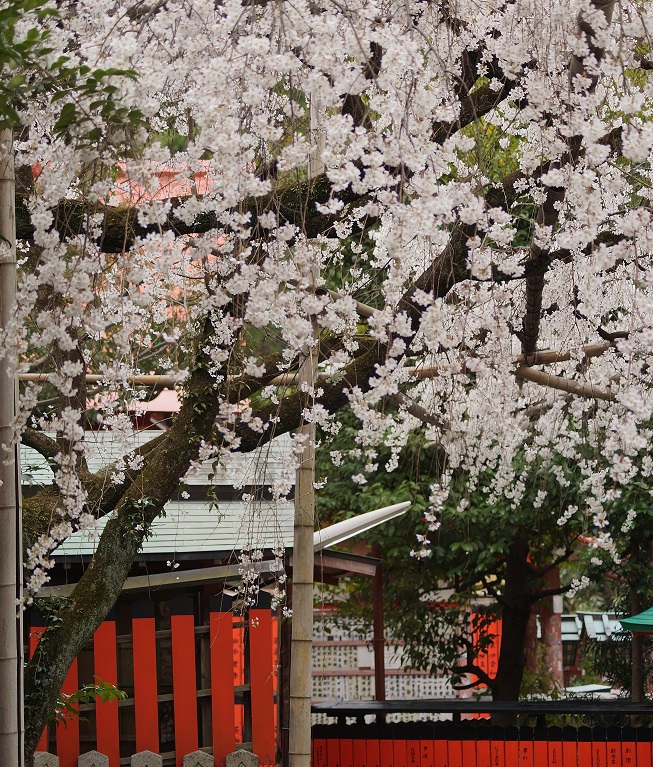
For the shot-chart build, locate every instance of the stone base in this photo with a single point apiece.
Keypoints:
(147, 759)
(242, 758)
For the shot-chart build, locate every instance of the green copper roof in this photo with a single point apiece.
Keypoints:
(642, 622)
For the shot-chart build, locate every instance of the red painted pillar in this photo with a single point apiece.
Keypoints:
(37, 627)
(184, 677)
(262, 672)
(68, 732)
(222, 677)
(146, 705)
(105, 664)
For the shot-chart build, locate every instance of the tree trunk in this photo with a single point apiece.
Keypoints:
(517, 600)
(101, 584)
(11, 643)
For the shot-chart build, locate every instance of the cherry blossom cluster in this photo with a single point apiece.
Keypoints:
(400, 173)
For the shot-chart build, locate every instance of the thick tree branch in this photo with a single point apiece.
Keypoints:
(549, 213)
(293, 204)
(470, 668)
(549, 593)
(44, 445)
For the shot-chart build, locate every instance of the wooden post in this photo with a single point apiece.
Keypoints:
(11, 661)
(299, 738)
(285, 632)
(379, 639)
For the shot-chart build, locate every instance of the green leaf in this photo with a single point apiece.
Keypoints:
(66, 118)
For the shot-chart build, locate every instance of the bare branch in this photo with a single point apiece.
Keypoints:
(416, 410)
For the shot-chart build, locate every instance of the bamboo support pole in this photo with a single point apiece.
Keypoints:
(548, 356)
(93, 378)
(11, 747)
(523, 371)
(565, 384)
(299, 737)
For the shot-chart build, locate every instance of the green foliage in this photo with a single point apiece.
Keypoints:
(67, 706)
(138, 516)
(90, 109)
(19, 54)
(537, 682)
(429, 601)
(611, 661)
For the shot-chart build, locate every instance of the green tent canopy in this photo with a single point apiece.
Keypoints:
(641, 623)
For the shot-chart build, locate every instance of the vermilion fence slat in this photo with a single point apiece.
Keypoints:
(262, 671)
(319, 751)
(399, 751)
(599, 747)
(413, 756)
(360, 753)
(644, 753)
(386, 753)
(333, 753)
(373, 750)
(628, 756)
(184, 677)
(427, 751)
(483, 750)
(105, 665)
(37, 627)
(346, 752)
(455, 752)
(275, 677)
(541, 753)
(628, 746)
(498, 753)
(569, 753)
(469, 753)
(68, 733)
(525, 747)
(497, 747)
(614, 748)
(511, 747)
(239, 673)
(584, 747)
(146, 705)
(554, 747)
(222, 677)
(439, 753)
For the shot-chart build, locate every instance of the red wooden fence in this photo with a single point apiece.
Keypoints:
(238, 648)
(480, 745)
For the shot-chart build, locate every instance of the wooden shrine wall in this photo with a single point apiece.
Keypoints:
(210, 686)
